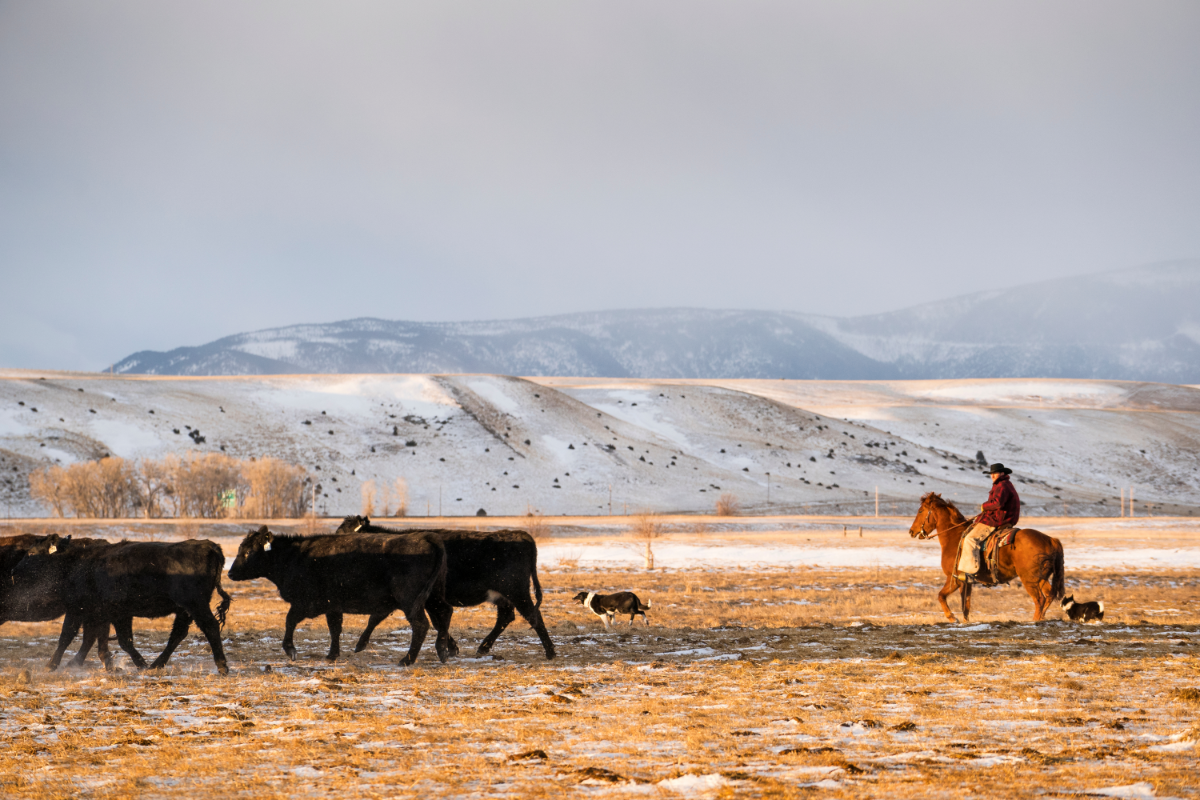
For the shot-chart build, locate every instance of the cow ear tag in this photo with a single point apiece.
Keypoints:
(53, 549)
(267, 547)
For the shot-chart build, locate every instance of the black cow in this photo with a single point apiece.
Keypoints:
(356, 574)
(104, 583)
(41, 608)
(481, 567)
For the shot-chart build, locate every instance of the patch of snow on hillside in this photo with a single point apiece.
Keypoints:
(494, 394)
(277, 349)
(125, 439)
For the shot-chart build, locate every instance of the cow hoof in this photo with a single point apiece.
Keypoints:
(483, 650)
(291, 652)
(358, 648)
(222, 669)
(549, 655)
(407, 661)
(331, 657)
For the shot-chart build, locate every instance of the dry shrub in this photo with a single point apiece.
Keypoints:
(1188, 695)
(368, 499)
(535, 524)
(106, 488)
(728, 505)
(644, 529)
(400, 498)
(208, 486)
(275, 489)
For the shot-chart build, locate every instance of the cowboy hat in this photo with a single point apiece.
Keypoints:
(994, 468)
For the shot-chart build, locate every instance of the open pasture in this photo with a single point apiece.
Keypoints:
(750, 681)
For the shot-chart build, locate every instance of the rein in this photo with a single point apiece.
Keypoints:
(925, 534)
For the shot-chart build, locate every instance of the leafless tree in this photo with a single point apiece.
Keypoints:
(728, 505)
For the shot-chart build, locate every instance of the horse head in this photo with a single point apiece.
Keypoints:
(924, 524)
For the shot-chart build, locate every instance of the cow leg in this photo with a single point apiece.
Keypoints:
(966, 602)
(334, 620)
(93, 634)
(102, 634)
(420, 626)
(533, 615)
(211, 629)
(179, 632)
(372, 624)
(440, 613)
(124, 629)
(504, 617)
(294, 617)
(70, 627)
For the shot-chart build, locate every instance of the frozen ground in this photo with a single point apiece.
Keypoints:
(785, 683)
(582, 446)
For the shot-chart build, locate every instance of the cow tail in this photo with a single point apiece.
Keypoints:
(1058, 585)
(438, 573)
(537, 586)
(226, 599)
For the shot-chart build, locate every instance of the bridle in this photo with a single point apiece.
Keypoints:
(923, 518)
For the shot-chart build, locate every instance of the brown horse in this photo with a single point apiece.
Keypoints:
(1034, 557)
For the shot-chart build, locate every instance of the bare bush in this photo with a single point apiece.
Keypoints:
(728, 505)
(535, 524)
(644, 529)
(201, 482)
(104, 488)
(274, 489)
(153, 481)
(49, 487)
(399, 497)
(368, 500)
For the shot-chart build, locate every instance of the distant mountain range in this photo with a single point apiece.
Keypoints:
(1134, 324)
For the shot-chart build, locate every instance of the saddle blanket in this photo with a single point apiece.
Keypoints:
(1002, 537)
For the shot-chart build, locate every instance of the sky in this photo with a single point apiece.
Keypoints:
(173, 172)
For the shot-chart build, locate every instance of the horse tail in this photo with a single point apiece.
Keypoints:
(1058, 583)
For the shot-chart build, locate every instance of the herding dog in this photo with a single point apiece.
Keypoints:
(607, 606)
(1083, 612)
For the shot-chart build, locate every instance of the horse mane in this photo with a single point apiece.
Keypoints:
(937, 499)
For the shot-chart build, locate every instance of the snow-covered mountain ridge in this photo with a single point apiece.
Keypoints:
(576, 445)
(1135, 324)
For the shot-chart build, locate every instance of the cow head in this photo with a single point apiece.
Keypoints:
(354, 524)
(253, 556)
(42, 569)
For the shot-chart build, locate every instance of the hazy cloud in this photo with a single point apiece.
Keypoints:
(170, 173)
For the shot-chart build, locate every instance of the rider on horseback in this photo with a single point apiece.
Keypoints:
(1003, 507)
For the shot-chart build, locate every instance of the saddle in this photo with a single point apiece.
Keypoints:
(990, 553)
(1001, 537)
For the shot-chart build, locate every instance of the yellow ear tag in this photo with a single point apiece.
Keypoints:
(267, 547)
(53, 549)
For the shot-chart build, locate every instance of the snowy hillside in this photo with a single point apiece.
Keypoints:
(1139, 324)
(561, 445)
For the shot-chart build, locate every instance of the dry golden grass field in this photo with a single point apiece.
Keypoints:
(755, 682)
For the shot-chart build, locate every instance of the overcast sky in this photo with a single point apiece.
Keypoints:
(174, 172)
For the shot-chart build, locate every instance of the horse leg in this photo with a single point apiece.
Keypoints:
(966, 602)
(947, 590)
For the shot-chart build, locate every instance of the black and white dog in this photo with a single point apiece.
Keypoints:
(1083, 612)
(607, 606)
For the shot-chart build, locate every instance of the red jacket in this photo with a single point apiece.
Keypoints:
(1002, 506)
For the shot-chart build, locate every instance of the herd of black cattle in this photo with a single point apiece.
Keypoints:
(360, 569)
